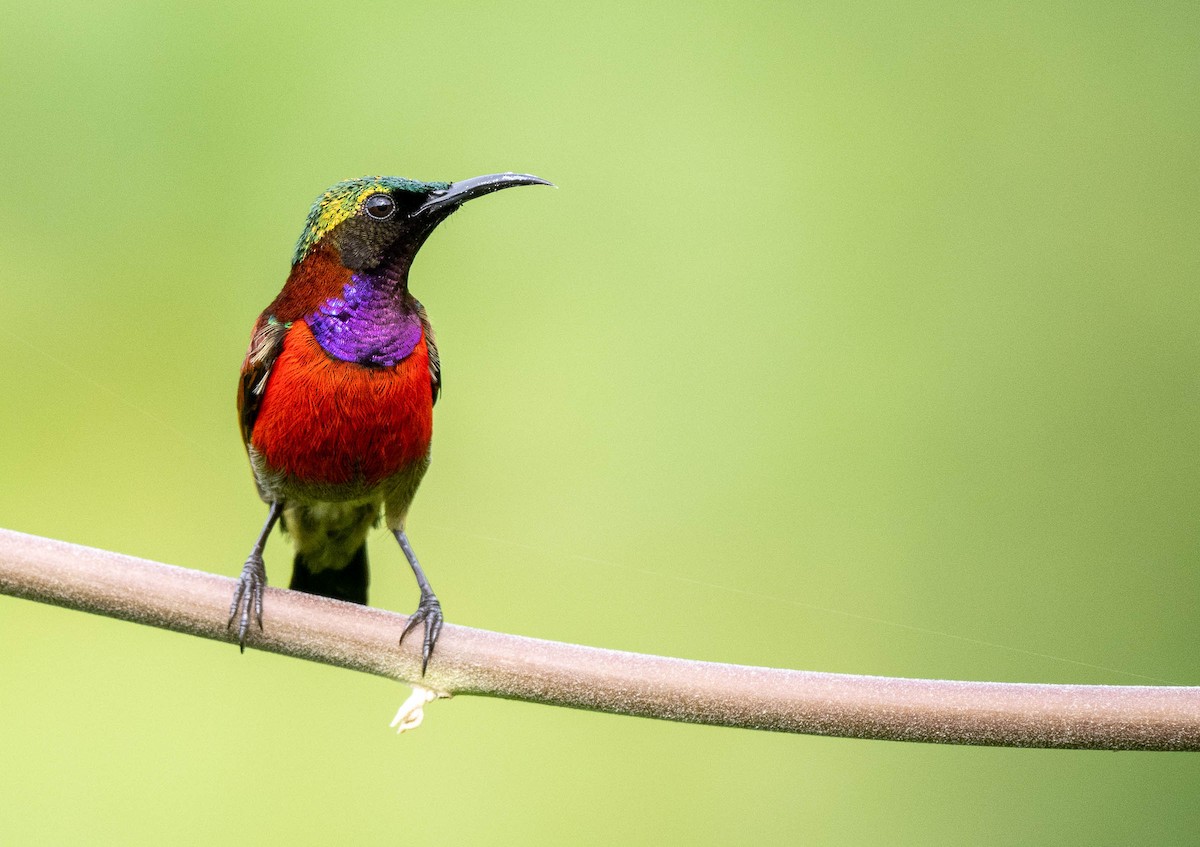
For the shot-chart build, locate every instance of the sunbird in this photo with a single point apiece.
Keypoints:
(337, 390)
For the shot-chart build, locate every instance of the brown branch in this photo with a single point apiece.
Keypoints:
(472, 661)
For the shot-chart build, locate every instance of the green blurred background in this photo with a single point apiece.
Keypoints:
(857, 338)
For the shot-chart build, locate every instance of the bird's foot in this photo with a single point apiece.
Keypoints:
(248, 598)
(429, 612)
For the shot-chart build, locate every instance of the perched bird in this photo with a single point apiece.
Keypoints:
(337, 390)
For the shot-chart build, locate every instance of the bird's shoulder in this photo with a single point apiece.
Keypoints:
(266, 343)
(435, 363)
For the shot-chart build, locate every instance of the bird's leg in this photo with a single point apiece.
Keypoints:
(429, 610)
(253, 581)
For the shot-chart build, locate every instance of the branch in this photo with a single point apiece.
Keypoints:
(473, 661)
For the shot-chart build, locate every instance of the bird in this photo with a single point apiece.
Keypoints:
(336, 395)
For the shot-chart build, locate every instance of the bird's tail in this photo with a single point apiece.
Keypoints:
(348, 583)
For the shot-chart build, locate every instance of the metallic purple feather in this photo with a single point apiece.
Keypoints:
(369, 324)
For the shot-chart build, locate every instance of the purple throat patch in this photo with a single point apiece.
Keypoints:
(368, 324)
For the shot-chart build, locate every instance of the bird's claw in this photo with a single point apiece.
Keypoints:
(248, 598)
(429, 612)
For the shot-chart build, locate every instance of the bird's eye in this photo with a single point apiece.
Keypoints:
(380, 206)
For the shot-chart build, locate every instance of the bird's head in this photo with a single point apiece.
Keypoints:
(385, 219)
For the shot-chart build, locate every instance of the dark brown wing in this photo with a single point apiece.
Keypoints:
(265, 345)
(435, 364)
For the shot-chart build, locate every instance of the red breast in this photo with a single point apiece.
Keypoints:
(326, 421)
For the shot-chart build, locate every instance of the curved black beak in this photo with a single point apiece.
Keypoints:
(451, 198)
